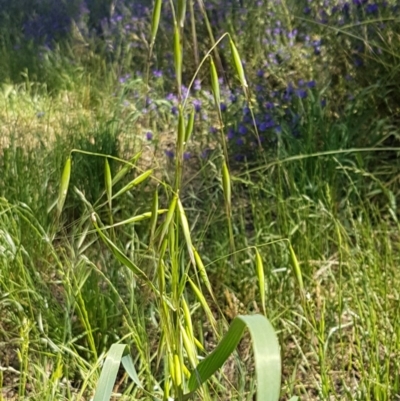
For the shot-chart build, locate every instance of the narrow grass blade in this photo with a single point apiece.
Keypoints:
(117, 252)
(135, 219)
(226, 184)
(204, 304)
(168, 219)
(203, 273)
(188, 343)
(181, 12)
(124, 170)
(129, 366)
(154, 216)
(211, 35)
(181, 132)
(108, 183)
(62, 195)
(261, 279)
(194, 34)
(266, 352)
(186, 231)
(142, 177)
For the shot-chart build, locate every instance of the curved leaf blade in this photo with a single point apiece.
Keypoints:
(266, 351)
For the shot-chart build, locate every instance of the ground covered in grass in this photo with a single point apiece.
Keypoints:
(159, 177)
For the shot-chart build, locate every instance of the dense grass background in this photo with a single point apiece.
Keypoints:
(312, 150)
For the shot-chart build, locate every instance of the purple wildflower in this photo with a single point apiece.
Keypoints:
(197, 85)
(242, 129)
(231, 133)
(372, 8)
(197, 105)
(301, 93)
(169, 153)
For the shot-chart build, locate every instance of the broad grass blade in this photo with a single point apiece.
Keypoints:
(110, 370)
(266, 352)
(62, 195)
(127, 363)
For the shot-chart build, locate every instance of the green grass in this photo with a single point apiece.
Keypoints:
(164, 255)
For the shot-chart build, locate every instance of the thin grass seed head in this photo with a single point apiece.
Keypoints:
(65, 178)
(155, 21)
(178, 58)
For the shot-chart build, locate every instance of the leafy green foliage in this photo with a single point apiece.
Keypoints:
(271, 186)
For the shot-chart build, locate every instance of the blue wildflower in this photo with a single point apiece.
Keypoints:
(205, 153)
(169, 153)
(233, 98)
(239, 157)
(197, 85)
(197, 105)
(372, 8)
(242, 129)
